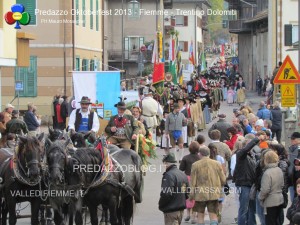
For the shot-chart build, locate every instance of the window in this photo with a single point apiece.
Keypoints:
(132, 47)
(183, 46)
(91, 16)
(85, 65)
(77, 65)
(181, 20)
(92, 65)
(97, 15)
(295, 30)
(133, 11)
(29, 77)
(77, 14)
(83, 14)
(30, 6)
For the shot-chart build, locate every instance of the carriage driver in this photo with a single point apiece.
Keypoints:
(84, 119)
(122, 128)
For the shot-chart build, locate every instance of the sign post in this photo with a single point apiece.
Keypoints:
(19, 86)
(288, 76)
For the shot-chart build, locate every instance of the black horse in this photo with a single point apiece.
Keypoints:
(117, 192)
(63, 179)
(21, 176)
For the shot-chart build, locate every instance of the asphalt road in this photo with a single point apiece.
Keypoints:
(147, 213)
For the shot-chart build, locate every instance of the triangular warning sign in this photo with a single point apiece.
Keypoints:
(288, 92)
(287, 73)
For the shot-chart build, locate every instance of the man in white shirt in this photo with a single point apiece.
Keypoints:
(84, 119)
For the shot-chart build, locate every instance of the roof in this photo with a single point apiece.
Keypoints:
(206, 2)
(260, 16)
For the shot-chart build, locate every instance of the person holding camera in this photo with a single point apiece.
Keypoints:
(294, 166)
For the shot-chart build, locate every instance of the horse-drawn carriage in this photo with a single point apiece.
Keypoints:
(53, 166)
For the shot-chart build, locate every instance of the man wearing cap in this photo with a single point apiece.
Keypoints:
(173, 195)
(122, 128)
(222, 125)
(293, 153)
(150, 109)
(7, 112)
(84, 119)
(15, 125)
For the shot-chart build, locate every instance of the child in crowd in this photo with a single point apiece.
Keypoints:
(230, 96)
(165, 143)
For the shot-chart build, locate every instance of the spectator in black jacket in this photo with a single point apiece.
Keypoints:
(64, 109)
(186, 166)
(173, 193)
(31, 121)
(292, 154)
(276, 121)
(244, 177)
(293, 213)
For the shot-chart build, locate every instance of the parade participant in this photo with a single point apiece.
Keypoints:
(230, 96)
(206, 105)
(181, 103)
(173, 193)
(31, 120)
(186, 166)
(150, 109)
(165, 140)
(122, 129)
(15, 125)
(190, 123)
(206, 174)
(136, 113)
(173, 129)
(84, 119)
(240, 90)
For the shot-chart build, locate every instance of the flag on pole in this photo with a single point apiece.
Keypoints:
(191, 54)
(155, 53)
(172, 70)
(172, 50)
(203, 62)
(222, 56)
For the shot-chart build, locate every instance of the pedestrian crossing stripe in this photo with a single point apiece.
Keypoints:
(287, 73)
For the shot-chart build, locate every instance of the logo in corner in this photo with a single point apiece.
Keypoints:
(17, 15)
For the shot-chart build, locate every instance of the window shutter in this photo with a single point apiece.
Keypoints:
(83, 15)
(97, 15)
(92, 65)
(186, 46)
(126, 48)
(288, 35)
(77, 14)
(141, 42)
(29, 77)
(30, 6)
(91, 16)
(185, 21)
(77, 64)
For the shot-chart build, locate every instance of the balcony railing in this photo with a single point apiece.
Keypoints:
(132, 56)
(238, 26)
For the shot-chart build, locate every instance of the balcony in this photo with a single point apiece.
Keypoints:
(239, 26)
(130, 56)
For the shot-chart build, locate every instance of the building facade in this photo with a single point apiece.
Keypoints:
(68, 38)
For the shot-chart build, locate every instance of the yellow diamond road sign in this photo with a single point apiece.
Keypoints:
(288, 95)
